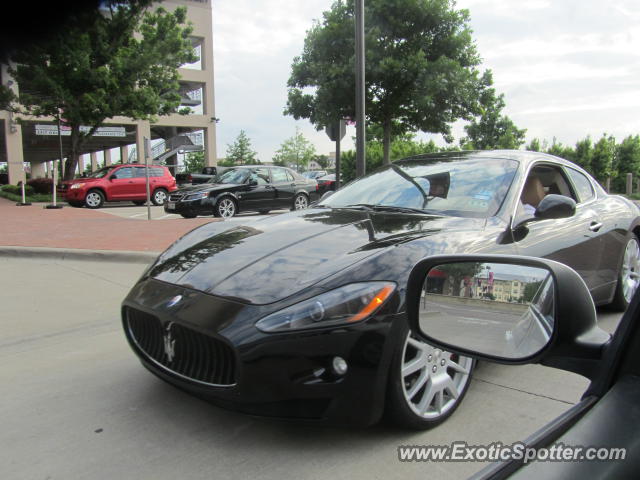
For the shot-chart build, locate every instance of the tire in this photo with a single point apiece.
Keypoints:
(406, 392)
(263, 212)
(300, 202)
(628, 275)
(94, 199)
(139, 202)
(159, 196)
(225, 208)
(75, 203)
(188, 215)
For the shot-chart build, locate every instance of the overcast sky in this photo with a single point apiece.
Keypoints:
(568, 68)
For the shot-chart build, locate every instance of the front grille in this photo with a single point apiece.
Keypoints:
(175, 198)
(195, 355)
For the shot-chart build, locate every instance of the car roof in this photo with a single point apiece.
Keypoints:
(525, 157)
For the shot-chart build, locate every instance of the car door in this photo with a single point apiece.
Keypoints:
(285, 187)
(139, 186)
(573, 240)
(121, 184)
(259, 194)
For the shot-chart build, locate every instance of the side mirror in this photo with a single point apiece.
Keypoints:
(506, 309)
(112, 177)
(252, 182)
(555, 206)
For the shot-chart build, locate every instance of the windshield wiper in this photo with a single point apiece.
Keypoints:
(386, 208)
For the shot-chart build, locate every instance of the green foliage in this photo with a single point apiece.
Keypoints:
(421, 69)
(603, 159)
(17, 190)
(535, 146)
(121, 61)
(240, 152)
(322, 160)
(194, 162)
(295, 151)
(627, 161)
(492, 130)
(401, 147)
(530, 289)
(13, 193)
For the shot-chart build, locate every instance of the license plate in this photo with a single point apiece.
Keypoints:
(171, 206)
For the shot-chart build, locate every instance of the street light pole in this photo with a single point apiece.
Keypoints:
(360, 90)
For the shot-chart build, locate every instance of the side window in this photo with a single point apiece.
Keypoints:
(139, 172)
(541, 181)
(279, 175)
(125, 172)
(260, 175)
(582, 184)
(289, 176)
(156, 172)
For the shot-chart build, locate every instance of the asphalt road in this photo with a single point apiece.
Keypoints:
(77, 404)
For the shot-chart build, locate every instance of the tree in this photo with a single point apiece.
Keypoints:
(240, 152)
(492, 130)
(627, 161)
(121, 60)
(603, 158)
(560, 150)
(584, 153)
(194, 162)
(322, 160)
(420, 71)
(296, 150)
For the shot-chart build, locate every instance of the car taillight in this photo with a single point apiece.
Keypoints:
(190, 178)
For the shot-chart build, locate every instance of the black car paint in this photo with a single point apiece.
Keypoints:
(272, 196)
(253, 269)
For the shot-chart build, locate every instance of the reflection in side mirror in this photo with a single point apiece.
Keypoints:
(496, 309)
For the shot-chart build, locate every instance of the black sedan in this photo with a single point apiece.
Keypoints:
(252, 187)
(303, 315)
(326, 183)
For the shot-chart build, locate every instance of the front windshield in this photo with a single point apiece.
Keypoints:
(233, 176)
(103, 172)
(465, 188)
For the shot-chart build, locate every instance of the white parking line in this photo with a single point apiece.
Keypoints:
(137, 215)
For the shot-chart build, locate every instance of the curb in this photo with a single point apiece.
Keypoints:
(78, 254)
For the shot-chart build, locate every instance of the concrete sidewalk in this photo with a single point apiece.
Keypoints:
(74, 230)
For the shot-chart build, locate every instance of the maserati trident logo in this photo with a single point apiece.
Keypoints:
(169, 344)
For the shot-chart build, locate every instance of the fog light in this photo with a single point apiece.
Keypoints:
(339, 365)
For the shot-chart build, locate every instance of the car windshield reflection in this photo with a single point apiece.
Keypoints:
(465, 188)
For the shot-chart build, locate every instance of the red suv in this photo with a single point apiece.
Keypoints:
(119, 183)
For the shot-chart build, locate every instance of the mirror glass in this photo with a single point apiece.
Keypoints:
(496, 309)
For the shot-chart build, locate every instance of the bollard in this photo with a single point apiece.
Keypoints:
(629, 183)
(23, 203)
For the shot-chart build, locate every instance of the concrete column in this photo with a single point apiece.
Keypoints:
(13, 135)
(38, 170)
(80, 165)
(124, 154)
(142, 130)
(94, 161)
(210, 156)
(107, 157)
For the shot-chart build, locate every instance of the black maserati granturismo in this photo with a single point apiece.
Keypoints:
(302, 315)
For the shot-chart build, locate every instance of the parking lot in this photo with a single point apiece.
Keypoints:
(77, 403)
(128, 210)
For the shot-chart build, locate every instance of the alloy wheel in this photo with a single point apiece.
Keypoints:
(93, 199)
(300, 202)
(433, 379)
(160, 197)
(630, 275)
(226, 208)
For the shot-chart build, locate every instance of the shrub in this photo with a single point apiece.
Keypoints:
(17, 190)
(41, 185)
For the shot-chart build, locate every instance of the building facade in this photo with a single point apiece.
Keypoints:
(35, 140)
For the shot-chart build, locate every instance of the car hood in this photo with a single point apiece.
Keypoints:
(264, 261)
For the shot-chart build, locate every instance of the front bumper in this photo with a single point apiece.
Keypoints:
(279, 375)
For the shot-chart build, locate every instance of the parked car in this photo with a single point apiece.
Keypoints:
(314, 174)
(207, 174)
(304, 314)
(254, 187)
(119, 183)
(326, 183)
(598, 437)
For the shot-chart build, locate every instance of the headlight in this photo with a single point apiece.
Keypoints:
(197, 196)
(349, 304)
(76, 185)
